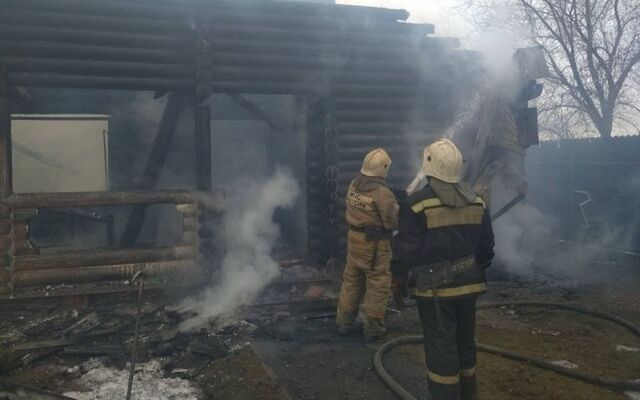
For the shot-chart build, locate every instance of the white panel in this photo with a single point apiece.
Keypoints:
(59, 153)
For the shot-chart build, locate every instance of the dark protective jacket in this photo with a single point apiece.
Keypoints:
(444, 223)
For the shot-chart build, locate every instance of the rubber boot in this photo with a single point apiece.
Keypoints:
(469, 388)
(373, 329)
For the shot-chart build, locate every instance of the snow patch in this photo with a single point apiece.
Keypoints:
(106, 383)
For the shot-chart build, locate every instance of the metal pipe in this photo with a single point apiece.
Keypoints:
(93, 67)
(98, 82)
(86, 258)
(97, 199)
(173, 270)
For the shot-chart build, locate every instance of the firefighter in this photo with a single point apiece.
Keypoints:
(445, 242)
(372, 216)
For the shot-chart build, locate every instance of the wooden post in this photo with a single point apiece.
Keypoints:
(155, 162)
(6, 225)
(6, 187)
(203, 147)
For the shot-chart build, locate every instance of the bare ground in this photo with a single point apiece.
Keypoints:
(294, 358)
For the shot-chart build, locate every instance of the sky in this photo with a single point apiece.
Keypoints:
(443, 13)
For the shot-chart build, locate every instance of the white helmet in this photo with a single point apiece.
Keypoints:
(376, 163)
(443, 160)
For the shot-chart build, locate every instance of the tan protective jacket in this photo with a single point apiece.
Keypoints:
(371, 203)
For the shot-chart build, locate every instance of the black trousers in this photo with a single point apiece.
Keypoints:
(450, 354)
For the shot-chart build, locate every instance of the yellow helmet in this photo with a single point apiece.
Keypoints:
(443, 160)
(376, 163)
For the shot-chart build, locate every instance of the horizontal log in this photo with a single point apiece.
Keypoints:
(99, 82)
(397, 116)
(108, 23)
(100, 68)
(95, 37)
(191, 8)
(367, 103)
(312, 35)
(319, 77)
(383, 140)
(315, 62)
(173, 270)
(376, 127)
(43, 49)
(397, 164)
(211, 201)
(85, 258)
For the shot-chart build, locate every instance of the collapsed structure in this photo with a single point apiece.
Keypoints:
(366, 78)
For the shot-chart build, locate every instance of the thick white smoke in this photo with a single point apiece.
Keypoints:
(250, 234)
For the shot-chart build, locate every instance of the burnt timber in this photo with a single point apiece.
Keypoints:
(369, 79)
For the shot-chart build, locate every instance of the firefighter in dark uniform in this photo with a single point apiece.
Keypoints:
(444, 244)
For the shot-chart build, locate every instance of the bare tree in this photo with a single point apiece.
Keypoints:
(593, 51)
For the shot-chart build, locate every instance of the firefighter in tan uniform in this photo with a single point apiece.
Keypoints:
(372, 215)
(445, 241)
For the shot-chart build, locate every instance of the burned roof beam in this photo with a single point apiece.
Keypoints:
(155, 162)
(256, 110)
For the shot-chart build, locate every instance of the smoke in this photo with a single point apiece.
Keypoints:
(530, 243)
(250, 235)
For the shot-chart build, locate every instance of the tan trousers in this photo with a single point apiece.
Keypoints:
(365, 277)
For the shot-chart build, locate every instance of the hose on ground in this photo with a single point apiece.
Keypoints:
(615, 384)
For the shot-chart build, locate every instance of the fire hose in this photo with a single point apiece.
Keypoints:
(610, 383)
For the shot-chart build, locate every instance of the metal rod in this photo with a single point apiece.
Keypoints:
(85, 258)
(134, 352)
(508, 206)
(155, 162)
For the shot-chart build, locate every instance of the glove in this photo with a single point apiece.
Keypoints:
(399, 290)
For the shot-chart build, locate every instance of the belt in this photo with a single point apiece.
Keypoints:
(372, 232)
